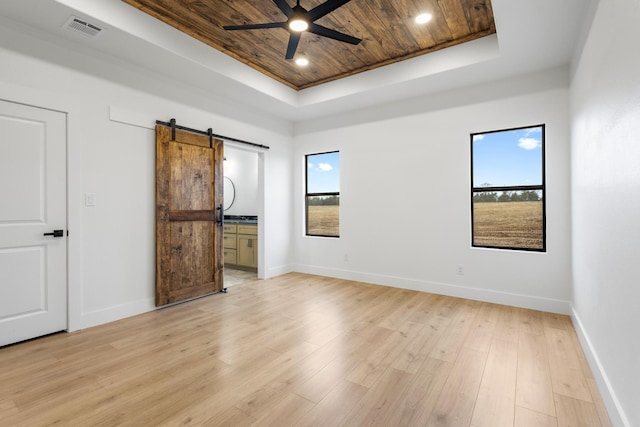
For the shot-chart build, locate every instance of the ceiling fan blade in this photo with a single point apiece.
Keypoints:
(284, 7)
(332, 34)
(294, 39)
(325, 8)
(256, 26)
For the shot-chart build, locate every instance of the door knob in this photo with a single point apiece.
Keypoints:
(56, 233)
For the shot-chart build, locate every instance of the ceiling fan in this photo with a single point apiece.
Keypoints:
(301, 20)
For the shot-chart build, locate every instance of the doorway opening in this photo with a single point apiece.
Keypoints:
(241, 215)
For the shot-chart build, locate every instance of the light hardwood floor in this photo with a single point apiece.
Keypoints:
(233, 276)
(308, 350)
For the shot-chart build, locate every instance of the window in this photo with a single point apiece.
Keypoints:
(508, 189)
(322, 200)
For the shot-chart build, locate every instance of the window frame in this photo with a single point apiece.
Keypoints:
(307, 195)
(542, 187)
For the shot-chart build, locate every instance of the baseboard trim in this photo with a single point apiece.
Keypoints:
(278, 271)
(486, 295)
(616, 413)
(111, 314)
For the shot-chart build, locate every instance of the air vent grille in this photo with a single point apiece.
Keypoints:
(83, 27)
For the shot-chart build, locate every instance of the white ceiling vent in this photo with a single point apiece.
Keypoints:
(80, 26)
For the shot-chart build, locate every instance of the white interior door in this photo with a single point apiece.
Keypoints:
(33, 267)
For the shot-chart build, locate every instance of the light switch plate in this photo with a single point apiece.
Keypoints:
(90, 199)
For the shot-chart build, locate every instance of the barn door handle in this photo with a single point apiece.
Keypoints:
(221, 217)
(56, 233)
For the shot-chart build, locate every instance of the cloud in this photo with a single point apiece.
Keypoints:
(324, 167)
(478, 137)
(529, 143)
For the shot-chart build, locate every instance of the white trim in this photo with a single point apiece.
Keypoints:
(117, 312)
(486, 295)
(147, 121)
(279, 270)
(133, 118)
(614, 408)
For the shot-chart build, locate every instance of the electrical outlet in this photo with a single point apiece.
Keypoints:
(460, 270)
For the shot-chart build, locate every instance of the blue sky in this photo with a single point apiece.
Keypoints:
(508, 158)
(323, 173)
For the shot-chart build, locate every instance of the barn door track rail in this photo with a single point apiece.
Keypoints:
(209, 132)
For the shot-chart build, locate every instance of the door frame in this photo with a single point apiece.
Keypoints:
(261, 201)
(33, 105)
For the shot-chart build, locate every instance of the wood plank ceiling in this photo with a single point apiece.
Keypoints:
(387, 29)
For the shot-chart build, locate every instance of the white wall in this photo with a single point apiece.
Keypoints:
(111, 153)
(405, 178)
(606, 204)
(242, 168)
(405, 213)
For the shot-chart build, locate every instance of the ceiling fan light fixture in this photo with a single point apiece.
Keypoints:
(298, 25)
(301, 20)
(302, 62)
(423, 18)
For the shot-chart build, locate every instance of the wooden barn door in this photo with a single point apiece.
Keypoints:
(189, 215)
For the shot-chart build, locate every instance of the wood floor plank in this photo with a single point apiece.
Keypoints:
(232, 417)
(287, 412)
(430, 305)
(508, 326)
(377, 406)
(528, 418)
(299, 372)
(8, 408)
(534, 389)
(401, 312)
(495, 405)
(335, 405)
(576, 412)
(310, 325)
(349, 350)
(154, 398)
(376, 311)
(213, 409)
(483, 327)
(531, 322)
(557, 321)
(253, 386)
(419, 348)
(603, 414)
(564, 363)
(454, 337)
(458, 397)
(369, 370)
(307, 350)
(420, 397)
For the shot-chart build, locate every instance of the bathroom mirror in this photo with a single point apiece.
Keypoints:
(229, 193)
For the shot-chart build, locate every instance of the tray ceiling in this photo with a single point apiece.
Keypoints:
(387, 29)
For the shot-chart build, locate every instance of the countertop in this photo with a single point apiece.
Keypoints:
(241, 219)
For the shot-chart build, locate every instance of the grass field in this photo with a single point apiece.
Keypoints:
(508, 224)
(324, 220)
(504, 224)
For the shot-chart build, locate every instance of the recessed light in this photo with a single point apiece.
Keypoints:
(302, 62)
(423, 18)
